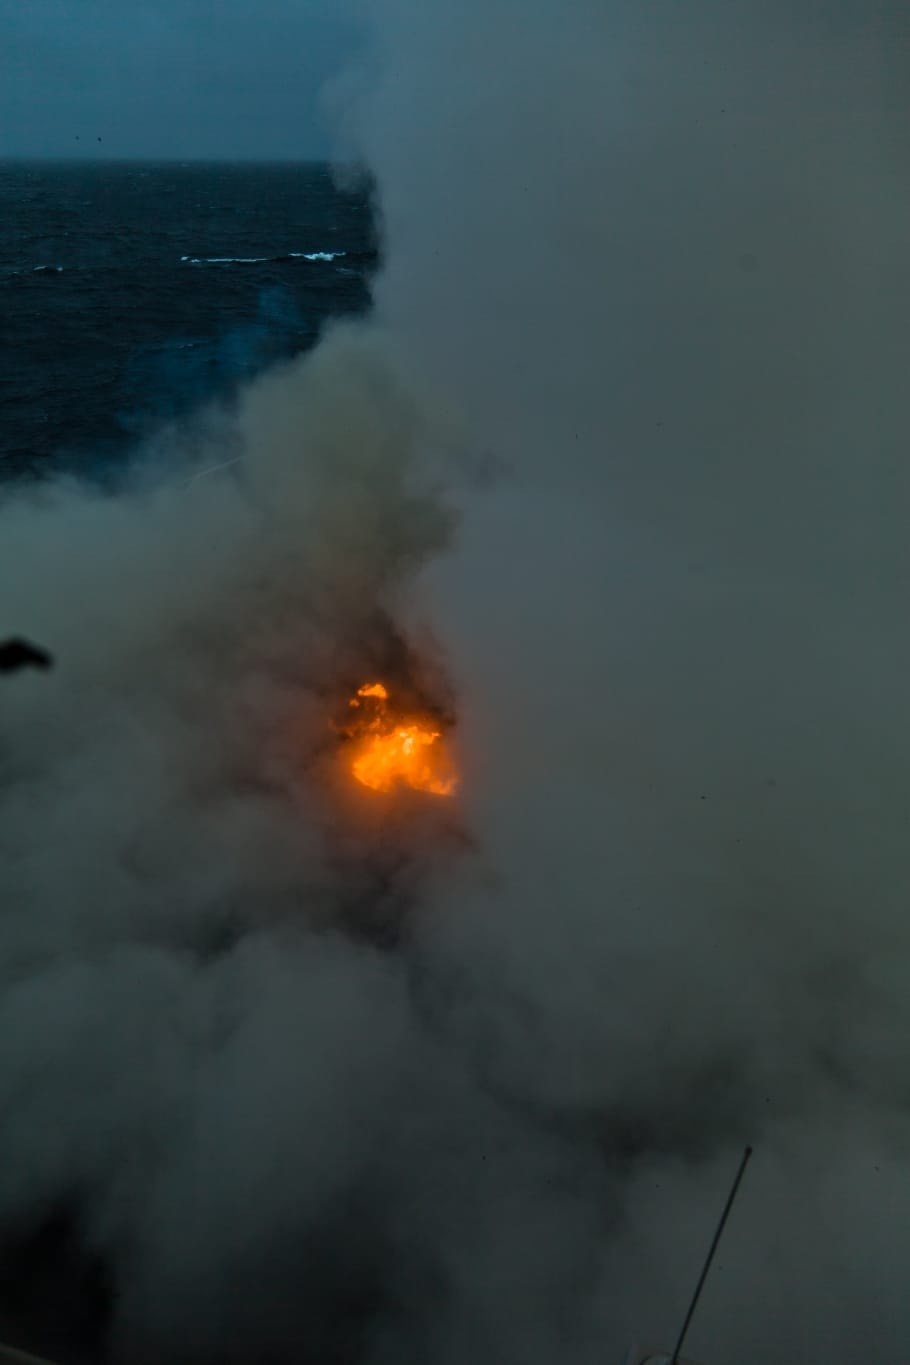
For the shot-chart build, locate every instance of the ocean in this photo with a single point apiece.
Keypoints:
(132, 294)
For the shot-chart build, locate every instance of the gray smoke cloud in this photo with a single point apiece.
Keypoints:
(318, 1079)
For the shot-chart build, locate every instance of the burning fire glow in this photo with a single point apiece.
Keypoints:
(391, 748)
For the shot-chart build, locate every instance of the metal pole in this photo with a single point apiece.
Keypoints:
(710, 1257)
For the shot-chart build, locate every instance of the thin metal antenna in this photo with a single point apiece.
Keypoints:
(710, 1257)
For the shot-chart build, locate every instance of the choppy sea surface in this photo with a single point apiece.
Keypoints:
(131, 294)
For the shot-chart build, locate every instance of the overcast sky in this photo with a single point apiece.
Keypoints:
(167, 78)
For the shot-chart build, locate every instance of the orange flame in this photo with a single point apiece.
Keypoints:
(394, 749)
(370, 690)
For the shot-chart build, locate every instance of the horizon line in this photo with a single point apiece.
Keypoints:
(94, 159)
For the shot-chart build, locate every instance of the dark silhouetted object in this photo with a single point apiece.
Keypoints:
(17, 654)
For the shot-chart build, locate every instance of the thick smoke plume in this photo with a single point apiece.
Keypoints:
(294, 1078)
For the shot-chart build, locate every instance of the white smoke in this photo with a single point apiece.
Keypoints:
(656, 253)
(651, 258)
(181, 857)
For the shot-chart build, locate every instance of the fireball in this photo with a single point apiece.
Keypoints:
(391, 748)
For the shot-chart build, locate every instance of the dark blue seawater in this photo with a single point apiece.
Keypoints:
(132, 293)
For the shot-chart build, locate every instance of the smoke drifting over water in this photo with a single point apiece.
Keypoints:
(317, 1079)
